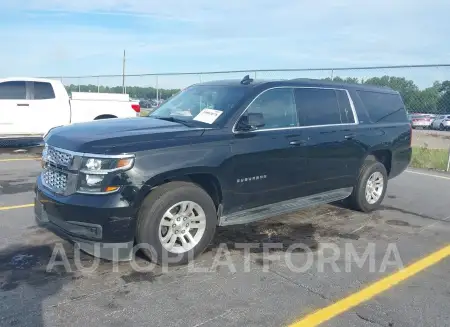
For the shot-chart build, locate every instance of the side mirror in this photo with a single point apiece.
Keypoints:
(251, 121)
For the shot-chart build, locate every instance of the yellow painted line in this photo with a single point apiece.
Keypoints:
(17, 207)
(353, 300)
(18, 159)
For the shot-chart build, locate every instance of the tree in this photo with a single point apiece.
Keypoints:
(407, 88)
(443, 104)
(434, 99)
(352, 80)
(136, 92)
(427, 99)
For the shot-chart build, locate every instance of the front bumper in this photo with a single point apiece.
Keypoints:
(101, 225)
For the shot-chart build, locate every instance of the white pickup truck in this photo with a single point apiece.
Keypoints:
(32, 106)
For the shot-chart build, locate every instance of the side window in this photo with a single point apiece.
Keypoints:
(384, 107)
(277, 107)
(344, 107)
(318, 106)
(14, 90)
(43, 91)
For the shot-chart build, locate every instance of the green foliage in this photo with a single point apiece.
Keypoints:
(135, 92)
(434, 99)
(443, 103)
(423, 157)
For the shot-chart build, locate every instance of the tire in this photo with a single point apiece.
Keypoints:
(441, 127)
(357, 199)
(153, 211)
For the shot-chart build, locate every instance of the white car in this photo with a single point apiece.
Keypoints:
(441, 122)
(30, 107)
(420, 121)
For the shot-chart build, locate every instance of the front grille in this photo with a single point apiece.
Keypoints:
(54, 180)
(59, 157)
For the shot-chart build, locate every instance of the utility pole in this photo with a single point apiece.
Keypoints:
(123, 73)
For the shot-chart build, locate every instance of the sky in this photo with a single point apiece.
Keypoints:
(88, 37)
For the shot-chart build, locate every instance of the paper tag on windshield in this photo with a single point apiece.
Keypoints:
(208, 116)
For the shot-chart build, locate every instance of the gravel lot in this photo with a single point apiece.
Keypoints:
(432, 139)
(264, 291)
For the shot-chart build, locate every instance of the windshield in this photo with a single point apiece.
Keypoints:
(200, 103)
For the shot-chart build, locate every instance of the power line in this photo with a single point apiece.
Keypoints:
(259, 70)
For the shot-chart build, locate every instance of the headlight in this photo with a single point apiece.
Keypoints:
(95, 173)
(106, 165)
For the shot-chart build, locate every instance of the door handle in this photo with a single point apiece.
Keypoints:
(23, 105)
(350, 136)
(297, 143)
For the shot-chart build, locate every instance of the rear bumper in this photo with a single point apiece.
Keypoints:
(101, 225)
(21, 140)
(400, 162)
(421, 124)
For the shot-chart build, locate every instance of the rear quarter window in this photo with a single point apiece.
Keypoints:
(43, 91)
(383, 107)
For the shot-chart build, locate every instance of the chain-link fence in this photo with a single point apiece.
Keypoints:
(424, 88)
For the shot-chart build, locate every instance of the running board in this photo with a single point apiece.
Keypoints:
(275, 209)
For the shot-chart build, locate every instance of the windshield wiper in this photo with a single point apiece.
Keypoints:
(173, 119)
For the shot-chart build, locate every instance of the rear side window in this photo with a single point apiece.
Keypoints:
(43, 91)
(14, 90)
(384, 107)
(323, 106)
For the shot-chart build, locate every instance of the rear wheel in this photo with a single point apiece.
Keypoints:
(176, 222)
(441, 127)
(371, 186)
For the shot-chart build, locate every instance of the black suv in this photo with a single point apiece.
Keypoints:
(219, 153)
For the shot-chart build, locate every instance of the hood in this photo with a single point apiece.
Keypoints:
(119, 135)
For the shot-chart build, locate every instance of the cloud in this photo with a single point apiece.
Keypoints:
(87, 37)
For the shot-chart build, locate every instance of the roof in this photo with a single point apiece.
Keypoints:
(233, 82)
(301, 82)
(27, 79)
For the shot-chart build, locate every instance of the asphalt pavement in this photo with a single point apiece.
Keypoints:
(314, 269)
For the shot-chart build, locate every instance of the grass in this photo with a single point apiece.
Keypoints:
(145, 112)
(427, 158)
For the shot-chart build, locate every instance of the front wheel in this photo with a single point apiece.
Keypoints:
(370, 188)
(176, 223)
